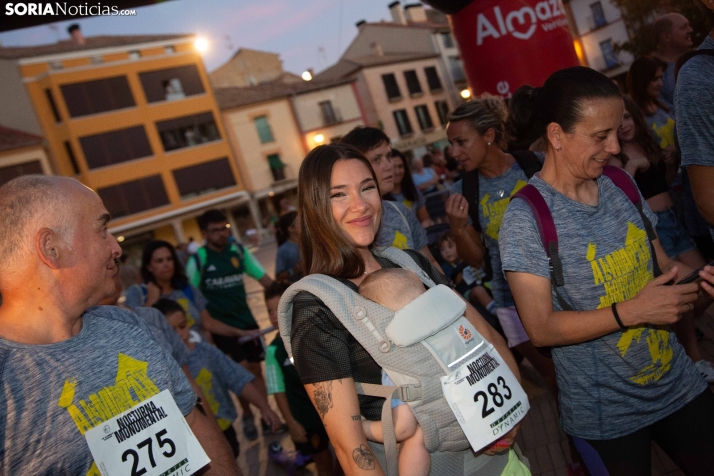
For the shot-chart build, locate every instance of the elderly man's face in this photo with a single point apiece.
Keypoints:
(93, 250)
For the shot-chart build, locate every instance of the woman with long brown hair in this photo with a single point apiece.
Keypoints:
(339, 208)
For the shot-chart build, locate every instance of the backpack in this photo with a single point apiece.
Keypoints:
(549, 234)
(200, 258)
(415, 369)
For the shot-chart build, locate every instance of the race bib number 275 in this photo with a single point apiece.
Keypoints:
(150, 439)
(485, 397)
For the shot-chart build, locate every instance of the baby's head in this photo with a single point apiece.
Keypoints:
(176, 316)
(393, 288)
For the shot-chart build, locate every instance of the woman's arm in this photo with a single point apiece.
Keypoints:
(468, 241)
(423, 215)
(336, 402)
(656, 303)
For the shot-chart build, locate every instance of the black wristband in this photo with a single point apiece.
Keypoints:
(623, 328)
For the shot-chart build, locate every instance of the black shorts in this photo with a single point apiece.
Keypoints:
(252, 351)
(317, 442)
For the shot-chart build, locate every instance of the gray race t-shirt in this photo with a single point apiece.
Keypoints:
(164, 334)
(666, 95)
(400, 228)
(494, 195)
(136, 297)
(694, 103)
(620, 382)
(216, 373)
(661, 126)
(52, 394)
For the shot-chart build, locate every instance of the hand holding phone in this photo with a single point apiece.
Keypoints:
(694, 276)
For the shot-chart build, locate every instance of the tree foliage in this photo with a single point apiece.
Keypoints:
(639, 15)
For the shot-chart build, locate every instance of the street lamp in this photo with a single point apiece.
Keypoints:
(201, 45)
(466, 94)
(307, 76)
(319, 139)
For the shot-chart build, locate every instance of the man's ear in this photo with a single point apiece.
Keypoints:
(49, 247)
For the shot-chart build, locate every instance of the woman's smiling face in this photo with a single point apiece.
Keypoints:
(356, 204)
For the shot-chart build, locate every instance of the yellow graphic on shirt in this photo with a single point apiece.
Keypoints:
(408, 204)
(132, 386)
(623, 273)
(187, 310)
(204, 379)
(493, 212)
(400, 241)
(665, 133)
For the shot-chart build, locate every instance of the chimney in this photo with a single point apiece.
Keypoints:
(395, 8)
(360, 24)
(76, 33)
(415, 13)
(377, 49)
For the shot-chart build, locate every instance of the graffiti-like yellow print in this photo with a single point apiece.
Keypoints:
(494, 210)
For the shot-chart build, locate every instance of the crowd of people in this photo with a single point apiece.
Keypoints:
(574, 214)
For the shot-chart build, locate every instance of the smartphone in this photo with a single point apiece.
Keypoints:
(694, 276)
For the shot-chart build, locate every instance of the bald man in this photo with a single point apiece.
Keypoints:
(64, 371)
(673, 37)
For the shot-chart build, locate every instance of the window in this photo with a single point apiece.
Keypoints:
(402, 120)
(412, 83)
(608, 54)
(265, 134)
(432, 79)
(442, 108)
(391, 86)
(598, 14)
(71, 157)
(97, 60)
(456, 67)
(134, 55)
(204, 178)
(188, 131)
(135, 196)
(277, 167)
(172, 83)
(13, 171)
(93, 97)
(56, 65)
(53, 105)
(169, 50)
(447, 40)
(328, 114)
(115, 147)
(422, 113)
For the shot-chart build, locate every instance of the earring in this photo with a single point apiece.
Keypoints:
(488, 143)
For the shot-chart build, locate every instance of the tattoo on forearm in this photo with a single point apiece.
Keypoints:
(323, 397)
(364, 458)
(356, 418)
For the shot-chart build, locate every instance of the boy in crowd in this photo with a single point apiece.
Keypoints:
(467, 279)
(216, 373)
(304, 424)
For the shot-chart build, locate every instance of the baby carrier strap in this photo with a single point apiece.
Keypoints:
(549, 235)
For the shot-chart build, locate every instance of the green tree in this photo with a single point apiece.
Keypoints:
(639, 15)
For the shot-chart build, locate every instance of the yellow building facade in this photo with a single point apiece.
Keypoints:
(135, 119)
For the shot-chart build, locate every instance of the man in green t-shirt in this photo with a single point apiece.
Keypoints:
(217, 270)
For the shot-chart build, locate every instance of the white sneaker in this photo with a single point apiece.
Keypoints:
(706, 368)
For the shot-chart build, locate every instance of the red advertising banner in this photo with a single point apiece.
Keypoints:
(508, 43)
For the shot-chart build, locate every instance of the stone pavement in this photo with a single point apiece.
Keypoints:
(541, 438)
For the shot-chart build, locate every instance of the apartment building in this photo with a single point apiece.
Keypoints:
(597, 26)
(21, 153)
(272, 126)
(132, 117)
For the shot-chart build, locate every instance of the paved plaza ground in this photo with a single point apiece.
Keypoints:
(540, 438)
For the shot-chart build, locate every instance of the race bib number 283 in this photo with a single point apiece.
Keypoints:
(485, 397)
(150, 439)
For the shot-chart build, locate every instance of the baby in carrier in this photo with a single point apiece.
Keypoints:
(394, 289)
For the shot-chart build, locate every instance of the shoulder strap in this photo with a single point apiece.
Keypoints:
(623, 181)
(404, 219)
(238, 249)
(548, 237)
(527, 161)
(470, 190)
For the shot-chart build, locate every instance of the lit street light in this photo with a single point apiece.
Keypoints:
(201, 45)
(319, 138)
(466, 93)
(307, 76)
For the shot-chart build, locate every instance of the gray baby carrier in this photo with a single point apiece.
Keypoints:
(415, 369)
